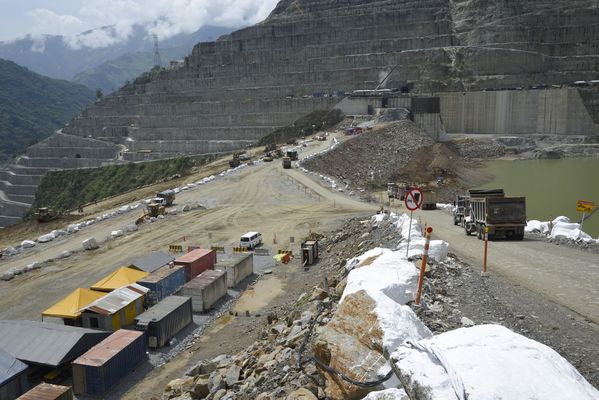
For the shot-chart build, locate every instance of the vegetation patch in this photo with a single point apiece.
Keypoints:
(68, 189)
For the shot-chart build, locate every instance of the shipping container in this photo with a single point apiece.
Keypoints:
(104, 365)
(196, 262)
(162, 283)
(46, 391)
(238, 267)
(163, 321)
(205, 289)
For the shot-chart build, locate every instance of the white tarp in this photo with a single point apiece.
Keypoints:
(437, 249)
(488, 362)
(386, 272)
(387, 394)
(565, 230)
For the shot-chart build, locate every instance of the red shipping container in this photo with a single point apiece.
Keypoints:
(196, 262)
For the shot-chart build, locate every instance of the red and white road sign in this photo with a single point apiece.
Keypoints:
(414, 199)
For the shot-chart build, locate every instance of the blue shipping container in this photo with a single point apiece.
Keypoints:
(162, 283)
(102, 367)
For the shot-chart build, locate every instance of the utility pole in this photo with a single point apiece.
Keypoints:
(157, 60)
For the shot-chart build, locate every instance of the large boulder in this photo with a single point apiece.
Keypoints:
(356, 340)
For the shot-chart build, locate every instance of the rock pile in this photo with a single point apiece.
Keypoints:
(371, 158)
(275, 366)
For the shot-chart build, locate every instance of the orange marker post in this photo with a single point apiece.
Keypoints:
(429, 230)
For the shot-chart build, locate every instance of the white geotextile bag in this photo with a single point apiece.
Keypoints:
(487, 362)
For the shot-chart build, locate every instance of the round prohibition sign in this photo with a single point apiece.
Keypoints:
(414, 199)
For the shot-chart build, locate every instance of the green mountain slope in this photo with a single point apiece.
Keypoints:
(33, 106)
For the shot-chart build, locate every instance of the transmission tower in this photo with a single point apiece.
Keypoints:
(157, 60)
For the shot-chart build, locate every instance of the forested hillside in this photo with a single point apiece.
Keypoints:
(33, 106)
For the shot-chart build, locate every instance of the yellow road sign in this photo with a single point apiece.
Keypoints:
(585, 206)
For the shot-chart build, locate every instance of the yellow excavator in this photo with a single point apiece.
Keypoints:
(45, 214)
(152, 210)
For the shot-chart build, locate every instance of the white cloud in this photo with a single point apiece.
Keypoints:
(162, 17)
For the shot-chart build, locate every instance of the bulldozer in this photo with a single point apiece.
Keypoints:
(152, 210)
(45, 214)
(235, 161)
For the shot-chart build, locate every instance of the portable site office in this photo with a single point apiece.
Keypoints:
(238, 267)
(116, 310)
(162, 283)
(106, 364)
(163, 321)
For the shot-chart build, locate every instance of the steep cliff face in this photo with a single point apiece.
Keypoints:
(231, 92)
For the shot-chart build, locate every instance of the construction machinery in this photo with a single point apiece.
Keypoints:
(267, 158)
(152, 210)
(286, 162)
(292, 154)
(168, 197)
(235, 161)
(45, 214)
(496, 215)
(429, 201)
(461, 203)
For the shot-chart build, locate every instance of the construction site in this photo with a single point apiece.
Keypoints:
(361, 260)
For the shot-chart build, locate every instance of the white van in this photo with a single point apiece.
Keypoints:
(250, 240)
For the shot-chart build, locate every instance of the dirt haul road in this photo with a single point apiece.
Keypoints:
(563, 275)
(263, 197)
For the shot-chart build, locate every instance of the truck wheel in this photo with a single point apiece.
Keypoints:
(479, 232)
(519, 236)
(455, 221)
(466, 231)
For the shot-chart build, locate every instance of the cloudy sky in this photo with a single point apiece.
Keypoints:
(163, 17)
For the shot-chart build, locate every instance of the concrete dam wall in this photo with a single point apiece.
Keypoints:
(232, 91)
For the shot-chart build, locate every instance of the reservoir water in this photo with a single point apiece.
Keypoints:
(551, 187)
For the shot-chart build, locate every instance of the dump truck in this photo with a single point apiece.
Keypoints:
(498, 216)
(468, 222)
(168, 196)
(430, 200)
(292, 154)
(152, 210)
(45, 214)
(460, 204)
(286, 162)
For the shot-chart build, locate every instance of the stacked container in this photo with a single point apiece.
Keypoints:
(205, 289)
(46, 391)
(196, 262)
(163, 282)
(165, 320)
(238, 267)
(104, 365)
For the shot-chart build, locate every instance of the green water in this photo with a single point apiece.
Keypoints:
(551, 187)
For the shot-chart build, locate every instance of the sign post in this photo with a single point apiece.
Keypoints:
(413, 201)
(584, 207)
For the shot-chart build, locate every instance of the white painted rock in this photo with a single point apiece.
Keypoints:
(90, 244)
(27, 244)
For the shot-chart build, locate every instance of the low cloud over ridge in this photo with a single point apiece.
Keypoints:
(164, 18)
